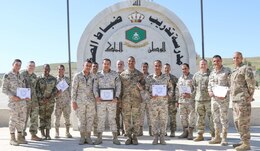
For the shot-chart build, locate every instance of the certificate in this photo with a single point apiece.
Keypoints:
(159, 90)
(23, 93)
(220, 91)
(184, 89)
(62, 85)
(106, 94)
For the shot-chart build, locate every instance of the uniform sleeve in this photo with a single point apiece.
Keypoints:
(95, 87)
(170, 88)
(177, 94)
(6, 86)
(194, 85)
(250, 81)
(210, 84)
(54, 90)
(74, 88)
(39, 93)
(118, 86)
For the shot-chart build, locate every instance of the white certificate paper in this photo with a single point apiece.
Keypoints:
(159, 90)
(23, 93)
(220, 91)
(107, 94)
(62, 85)
(184, 89)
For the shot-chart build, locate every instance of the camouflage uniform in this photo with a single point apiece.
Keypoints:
(131, 100)
(219, 107)
(119, 114)
(202, 101)
(107, 80)
(242, 87)
(63, 104)
(33, 105)
(46, 89)
(186, 105)
(17, 108)
(172, 108)
(82, 94)
(159, 105)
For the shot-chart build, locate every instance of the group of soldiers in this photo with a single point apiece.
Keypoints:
(126, 95)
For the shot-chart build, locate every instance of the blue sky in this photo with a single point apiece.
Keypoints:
(37, 29)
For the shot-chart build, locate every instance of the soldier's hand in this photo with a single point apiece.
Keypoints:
(74, 105)
(27, 99)
(16, 98)
(154, 97)
(114, 100)
(58, 93)
(177, 104)
(98, 100)
(211, 94)
(250, 99)
(186, 95)
(140, 87)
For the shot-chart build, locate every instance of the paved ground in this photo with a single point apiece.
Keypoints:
(64, 144)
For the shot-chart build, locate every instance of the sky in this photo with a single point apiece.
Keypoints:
(37, 29)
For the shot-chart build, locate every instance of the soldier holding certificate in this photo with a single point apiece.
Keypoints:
(107, 88)
(159, 89)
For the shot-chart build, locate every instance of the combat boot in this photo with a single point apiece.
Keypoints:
(216, 139)
(238, 144)
(35, 138)
(172, 133)
(82, 138)
(99, 139)
(95, 131)
(200, 136)
(190, 133)
(129, 140)
(184, 133)
(43, 134)
(162, 141)
(123, 131)
(244, 146)
(68, 135)
(57, 133)
(134, 140)
(155, 139)
(140, 131)
(150, 131)
(115, 139)
(88, 138)
(20, 139)
(224, 138)
(118, 132)
(212, 134)
(48, 134)
(13, 140)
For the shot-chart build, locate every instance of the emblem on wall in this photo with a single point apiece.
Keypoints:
(135, 34)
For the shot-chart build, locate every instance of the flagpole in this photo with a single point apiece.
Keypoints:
(68, 27)
(202, 27)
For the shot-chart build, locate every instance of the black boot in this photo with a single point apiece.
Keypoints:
(48, 134)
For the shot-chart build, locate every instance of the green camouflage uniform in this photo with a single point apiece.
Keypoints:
(63, 104)
(131, 100)
(107, 80)
(159, 105)
(82, 94)
(202, 100)
(242, 87)
(33, 105)
(17, 109)
(46, 89)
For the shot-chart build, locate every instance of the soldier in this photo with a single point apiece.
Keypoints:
(83, 101)
(11, 82)
(33, 105)
(242, 90)
(46, 92)
(107, 84)
(219, 78)
(145, 105)
(120, 68)
(159, 102)
(172, 102)
(131, 99)
(200, 82)
(186, 102)
(94, 71)
(63, 104)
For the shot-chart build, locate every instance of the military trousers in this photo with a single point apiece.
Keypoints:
(172, 111)
(62, 108)
(33, 114)
(187, 114)
(45, 112)
(85, 113)
(219, 109)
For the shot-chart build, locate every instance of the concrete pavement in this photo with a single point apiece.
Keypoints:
(66, 144)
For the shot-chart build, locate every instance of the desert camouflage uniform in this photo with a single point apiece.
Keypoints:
(33, 105)
(119, 113)
(202, 101)
(219, 108)
(131, 100)
(107, 80)
(159, 105)
(186, 105)
(242, 87)
(18, 109)
(63, 104)
(46, 89)
(172, 108)
(82, 94)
